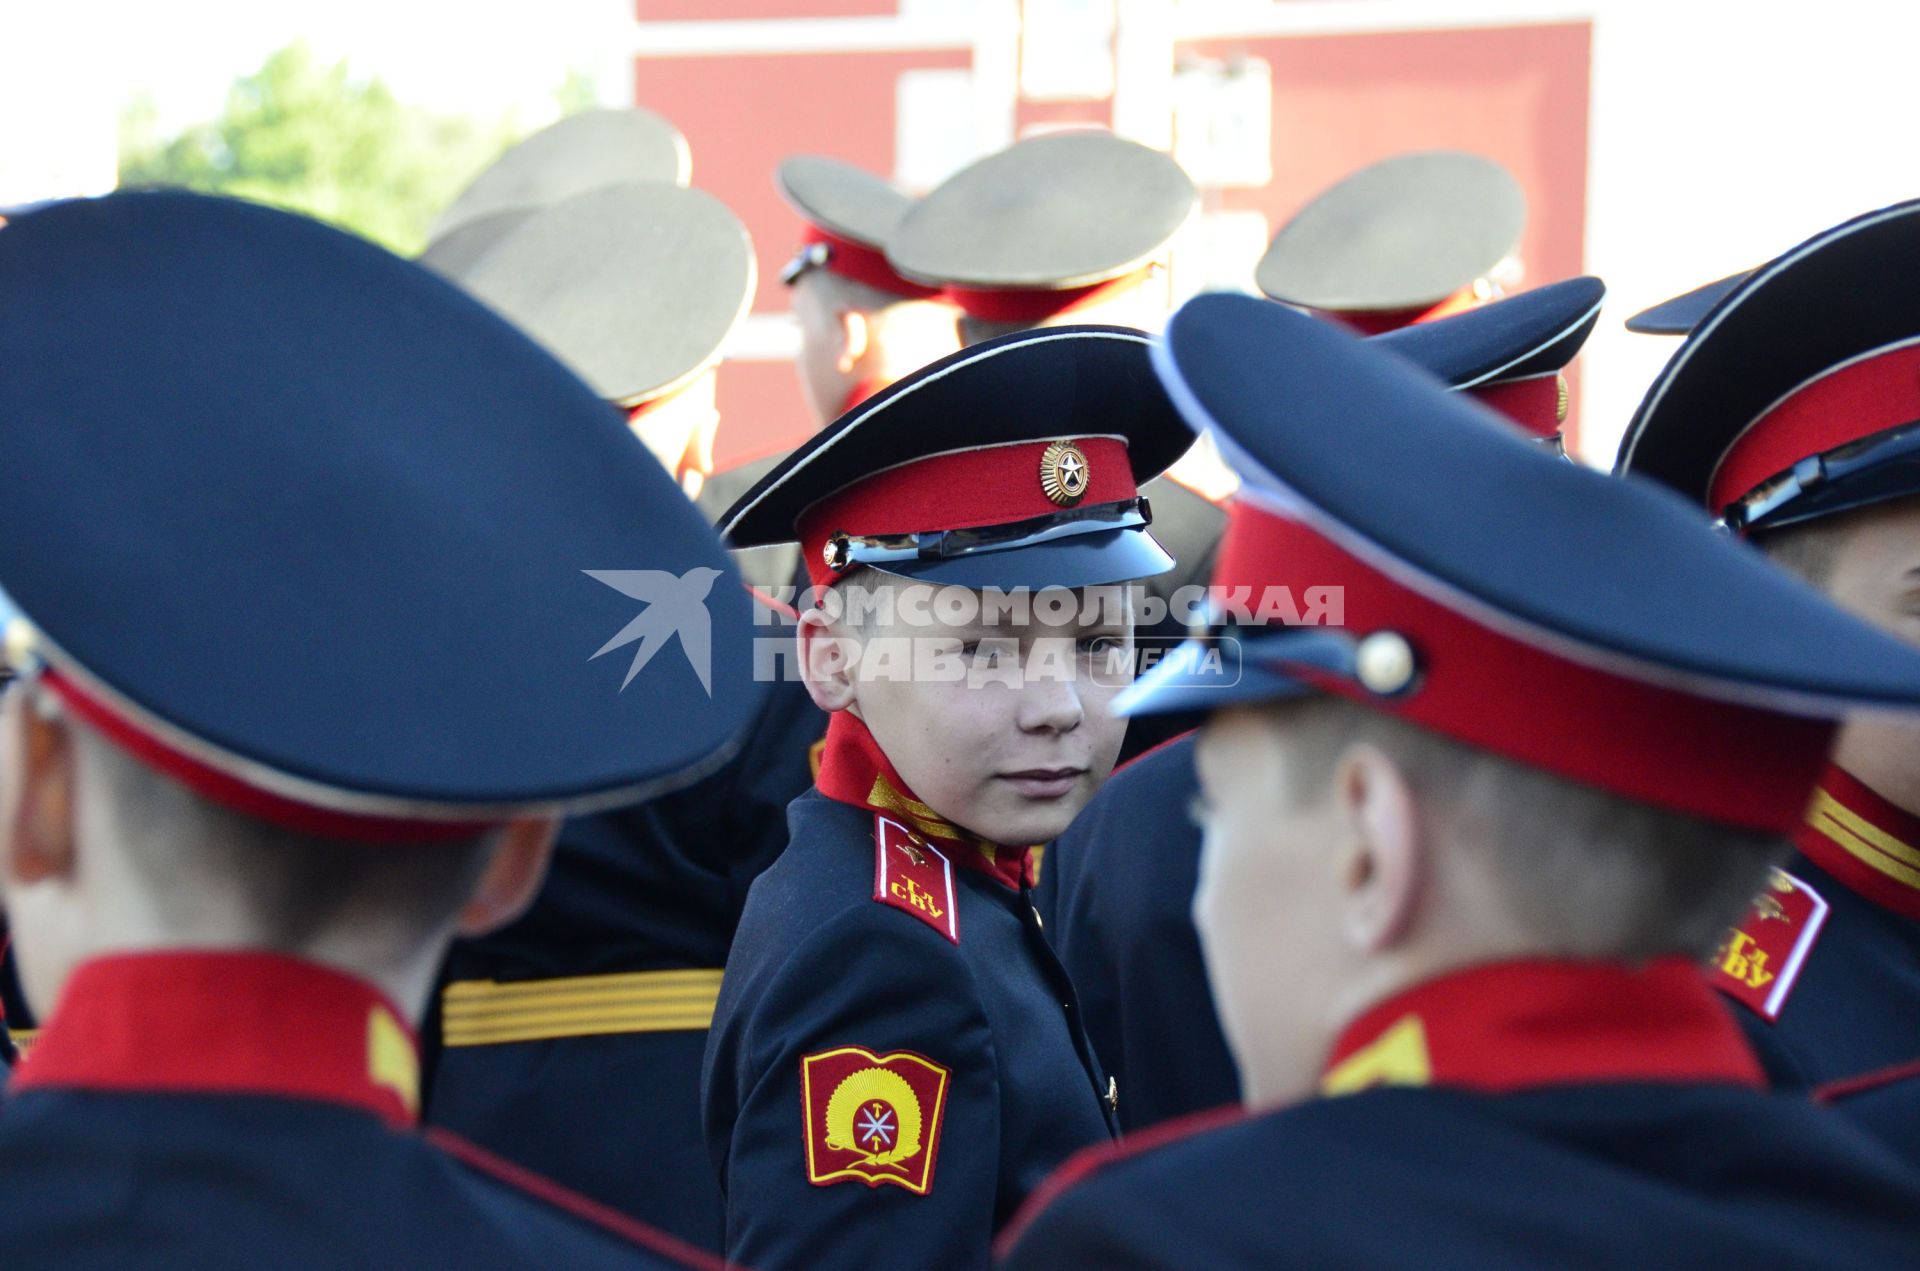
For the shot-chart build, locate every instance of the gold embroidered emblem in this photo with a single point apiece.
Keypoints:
(1064, 473)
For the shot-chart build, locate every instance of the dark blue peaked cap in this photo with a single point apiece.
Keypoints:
(1536, 332)
(1683, 313)
(1435, 492)
(296, 519)
(1587, 626)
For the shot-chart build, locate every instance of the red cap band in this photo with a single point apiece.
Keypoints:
(1379, 321)
(1873, 392)
(1031, 304)
(1739, 765)
(1533, 403)
(967, 489)
(232, 793)
(865, 264)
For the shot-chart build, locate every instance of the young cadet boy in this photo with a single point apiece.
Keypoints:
(1117, 892)
(305, 680)
(1790, 414)
(896, 1059)
(1464, 851)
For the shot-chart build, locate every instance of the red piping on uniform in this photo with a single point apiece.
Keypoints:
(1880, 1077)
(1091, 1160)
(572, 1202)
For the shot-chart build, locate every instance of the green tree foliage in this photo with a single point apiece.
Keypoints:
(314, 138)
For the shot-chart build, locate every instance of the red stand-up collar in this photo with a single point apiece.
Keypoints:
(228, 1023)
(853, 770)
(1519, 1025)
(1871, 846)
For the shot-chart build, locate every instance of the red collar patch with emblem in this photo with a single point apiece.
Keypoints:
(913, 875)
(872, 1118)
(1762, 955)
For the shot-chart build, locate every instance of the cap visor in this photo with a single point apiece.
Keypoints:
(1205, 675)
(1084, 560)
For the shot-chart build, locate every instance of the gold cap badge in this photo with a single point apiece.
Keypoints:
(1064, 473)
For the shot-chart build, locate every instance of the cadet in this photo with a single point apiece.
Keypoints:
(305, 681)
(1789, 413)
(1464, 850)
(1076, 227)
(896, 1059)
(576, 1034)
(1117, 894)
(1404, 240)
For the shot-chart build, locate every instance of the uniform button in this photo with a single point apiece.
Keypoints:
(1113, 1096)
(1037, 920)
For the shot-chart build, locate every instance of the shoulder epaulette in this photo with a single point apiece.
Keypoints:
(913, 876)
(1762, 955)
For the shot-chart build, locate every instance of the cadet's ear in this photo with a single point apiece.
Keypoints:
(1383, 871)
(39, 826)
(856, 337)
(826, 661)
(512, 877)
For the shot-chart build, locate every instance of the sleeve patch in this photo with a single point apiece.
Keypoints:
(914, 876)
(1761, 957)
(872, 1118)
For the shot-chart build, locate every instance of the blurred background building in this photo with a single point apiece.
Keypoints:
(1659, 144)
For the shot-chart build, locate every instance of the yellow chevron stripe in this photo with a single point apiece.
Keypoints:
(1863, 840)
(485, 1012)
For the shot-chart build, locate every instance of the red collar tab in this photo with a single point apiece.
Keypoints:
(1380, 321)
(1523, 1025)
(1537, 403)
(963, 489)
(1869, 394)
(1758, 962)
(1035, 305)
(231, 792)
(228, 1023)
(1484, 686)
(1870, 845)
(854, 771)
(864, 264)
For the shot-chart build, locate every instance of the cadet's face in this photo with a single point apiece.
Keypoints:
(1001, 727)
(1267, 906)
(1875, 574)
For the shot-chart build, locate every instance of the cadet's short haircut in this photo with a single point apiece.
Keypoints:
(1590, 874)
(1807, 550)
(188, 853)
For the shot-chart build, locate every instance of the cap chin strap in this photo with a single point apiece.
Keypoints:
(1872, 470)
(845, 551)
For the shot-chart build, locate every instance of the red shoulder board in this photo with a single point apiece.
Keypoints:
(1762, 956)
(914, 876)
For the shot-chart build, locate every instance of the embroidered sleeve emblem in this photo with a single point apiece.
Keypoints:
(872, 1118)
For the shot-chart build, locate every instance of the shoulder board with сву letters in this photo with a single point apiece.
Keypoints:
(1761, 957)
(914, 876)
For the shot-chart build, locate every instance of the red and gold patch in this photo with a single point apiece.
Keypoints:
(1761, 957)
(913, 875)
(874, 1118)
